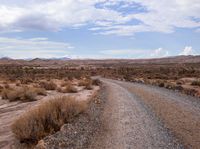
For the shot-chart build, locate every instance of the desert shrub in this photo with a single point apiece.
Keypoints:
(40, 91)
(161, 84)
(26, 80)
(18, 84)
(196, 83)
(96, 82)
(68, 88)
(48, 85)
(65, 83)
(87, 83)
(7, 86)
(84, 82)
(5, 94)
(89, 86)
(46, 118)
(21, 94)
(1, 88)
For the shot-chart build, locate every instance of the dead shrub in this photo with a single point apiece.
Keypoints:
(196, 83)
(65, 83)
(21, 94)
(48, 85)
(67, 89)
(87, 83)
(96, 82)
(7, 86)
(26, 81)
(47, 118)
(1, 88)
(40, 91)
(70, 89)
(18, 84)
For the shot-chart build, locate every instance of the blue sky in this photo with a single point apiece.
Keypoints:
(99, 28)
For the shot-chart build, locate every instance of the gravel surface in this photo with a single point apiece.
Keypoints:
(179, 113)
(128, 123)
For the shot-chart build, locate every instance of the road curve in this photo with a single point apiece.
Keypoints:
(141, 116)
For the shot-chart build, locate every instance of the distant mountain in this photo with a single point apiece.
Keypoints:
(60, 58)
(63, 60)
(53, 58)
(5, 58)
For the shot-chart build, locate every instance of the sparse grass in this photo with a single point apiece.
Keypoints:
(47, 118)
(196, 83)
(48, 85)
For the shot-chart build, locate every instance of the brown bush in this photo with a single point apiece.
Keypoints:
(18, 84)
(7, 86)
(65, 83)
(48, 85)
(22, 94)
(196, 83)
(40, 91)
(67, 89)
(84, 82)
(96, 82)
(47, 118)
(70, 89)
(1, 88)
(87, 83)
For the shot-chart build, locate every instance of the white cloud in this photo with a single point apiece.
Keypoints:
(135, 53)
(188, 51)
(105, 16)
(160, 52)
(31, 48)
(122, 52)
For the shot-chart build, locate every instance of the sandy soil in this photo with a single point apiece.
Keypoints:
(9, 111)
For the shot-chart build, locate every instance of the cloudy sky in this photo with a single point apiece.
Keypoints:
(99, 28)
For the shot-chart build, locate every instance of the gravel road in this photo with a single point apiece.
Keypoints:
(139, 116)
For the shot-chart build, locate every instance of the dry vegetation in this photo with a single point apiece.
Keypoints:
(87, 83)
(182, 77)
(22, 93)
(48, 85)
(47, 118)
(196, 82)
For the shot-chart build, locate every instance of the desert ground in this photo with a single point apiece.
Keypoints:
(103, 104)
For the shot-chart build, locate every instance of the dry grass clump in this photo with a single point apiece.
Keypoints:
(87, 83)
(40, 91)
(22, 94)
(47, 118)
(65, 83)
(196, 83)
(7, 86)
(96, 82)
(67, 89)
(48, 85)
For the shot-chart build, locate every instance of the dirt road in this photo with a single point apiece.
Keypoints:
(141, 116)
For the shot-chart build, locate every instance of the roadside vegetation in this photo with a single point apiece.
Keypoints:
(47, 118)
